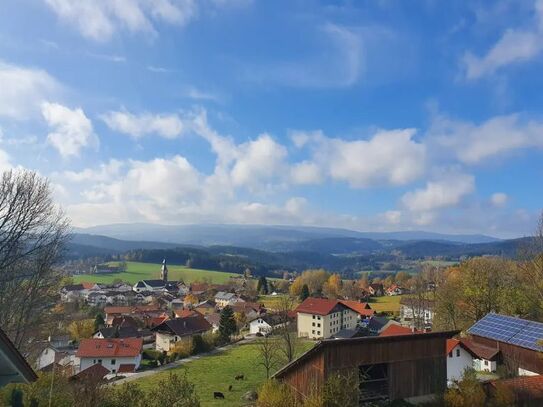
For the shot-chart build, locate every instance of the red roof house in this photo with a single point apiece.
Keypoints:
(110, 353)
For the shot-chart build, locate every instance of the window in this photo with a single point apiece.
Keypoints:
(318, 333)
(486, 362)
(319, 318)
(313, 316)
(313, 324)
(318, 325)
(313, 332)
(450, 354)
(113, 371)
(100, 361)
(112, 361)
(457, 353)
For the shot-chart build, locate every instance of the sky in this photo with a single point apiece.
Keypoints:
(373, 115)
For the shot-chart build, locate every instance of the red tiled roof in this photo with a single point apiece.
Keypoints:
(451, 344)
(88, 286)
(361, 308)
(523, 388)
(127, 368)
(115, 347)
(182, 313)
(131, 310)
(318, 306)
(158, 320)
(393, 330)
(95, 371)
(478, 350)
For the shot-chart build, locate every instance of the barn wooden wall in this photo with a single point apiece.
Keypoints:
(417, 363)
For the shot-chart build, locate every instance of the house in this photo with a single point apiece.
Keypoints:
(376, 325)
(267, 323)
(394, 289)
(417, 313)
(139, 312)
(172, 331)
(459, 358)
(71, 292)
(150, 285)
(214, 320)
(400, 367)
(60, 355)
(376, 289)
(13, 366)
(205, 307)
(251, 310)
(222, 299)
(97, 299)
(110, 353)
(198, 288)
(363, 309)
(320, 318)
(117, 332)
(391, 329)
(517, 340)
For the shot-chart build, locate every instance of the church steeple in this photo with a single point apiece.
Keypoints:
(164, 271)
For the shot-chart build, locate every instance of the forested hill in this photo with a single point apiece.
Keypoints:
(343, 254)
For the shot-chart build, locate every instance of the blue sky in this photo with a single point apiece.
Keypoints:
(370, 115)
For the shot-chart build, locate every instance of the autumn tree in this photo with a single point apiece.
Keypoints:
(333, 286)
(468, 392)
(296, 286)
(287, 333)
(190, 299)
(81, 329)
(33, 233)
(401, 278)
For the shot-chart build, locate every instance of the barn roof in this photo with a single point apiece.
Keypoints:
(334, 343)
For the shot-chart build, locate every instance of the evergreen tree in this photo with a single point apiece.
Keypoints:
(227, 323)
(99, 322)
(262, 286)
(305, 292)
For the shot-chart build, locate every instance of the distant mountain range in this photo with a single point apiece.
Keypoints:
(270, 249)
(259, 236)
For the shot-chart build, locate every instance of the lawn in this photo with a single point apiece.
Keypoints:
(216, 373)
(272, 302)
(140, 271)
(386, 303)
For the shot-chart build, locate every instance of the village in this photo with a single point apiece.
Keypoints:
(152, 325)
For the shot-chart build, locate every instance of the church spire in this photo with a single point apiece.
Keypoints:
(164, 271)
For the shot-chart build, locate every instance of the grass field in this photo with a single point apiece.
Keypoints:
(216, 373)
(140, 271)
(386, 303)
(273, 301)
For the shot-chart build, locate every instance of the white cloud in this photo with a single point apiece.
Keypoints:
(448, 191)
(168, 126)
(393, 217)
(23, 89)
(104, 172)
(499, 199)
(258, 160)
(99, 20)
(499, 135)
(306, 173)
(515, 46)
(389, 157)
(198, 94)
(72, 130)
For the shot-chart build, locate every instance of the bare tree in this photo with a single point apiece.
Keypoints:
(288, 337)
(33, 232)
(268, 352)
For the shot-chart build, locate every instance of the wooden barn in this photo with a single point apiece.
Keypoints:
(409, 366)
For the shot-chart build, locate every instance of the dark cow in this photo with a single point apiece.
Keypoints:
(240, 377)
(218, 395)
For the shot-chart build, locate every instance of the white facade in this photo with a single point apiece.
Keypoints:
(259, 325)
(164, 342)
(408, 315)
(112, 364)
(458, 360)
(483, 365)
(50, 354)
(324, 326)
(524, 372)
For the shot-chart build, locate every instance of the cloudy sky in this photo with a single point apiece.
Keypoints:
(367, 114)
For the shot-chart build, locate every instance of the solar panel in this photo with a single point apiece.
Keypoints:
(515, 331)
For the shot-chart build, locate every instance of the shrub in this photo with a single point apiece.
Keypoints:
(151, 354)
(276, 394)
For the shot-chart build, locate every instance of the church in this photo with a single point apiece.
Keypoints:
(157, 285)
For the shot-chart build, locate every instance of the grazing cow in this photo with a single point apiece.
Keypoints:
(218, 395)
(239, 377)
(230, 388)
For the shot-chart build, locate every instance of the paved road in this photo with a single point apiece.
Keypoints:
(177, 363)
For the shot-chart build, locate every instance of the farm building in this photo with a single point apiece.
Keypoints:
(514, 342)
(412, 367)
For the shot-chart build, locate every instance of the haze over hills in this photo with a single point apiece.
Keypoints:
(259, 236)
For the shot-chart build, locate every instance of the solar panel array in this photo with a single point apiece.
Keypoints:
(516, 331)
